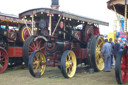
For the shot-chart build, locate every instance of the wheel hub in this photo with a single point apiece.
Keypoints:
(69, 64)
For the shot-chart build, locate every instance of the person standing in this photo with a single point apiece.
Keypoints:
(112, 43)
(106, 54)
(116, 48)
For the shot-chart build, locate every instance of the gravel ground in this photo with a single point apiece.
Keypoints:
(53, 76)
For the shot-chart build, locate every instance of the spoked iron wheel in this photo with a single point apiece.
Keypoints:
(37, 64)
(25, 32)
(68, 64)
(3, 60)
(89, 44)
(30, 45)
(121, 68)
(96, 59)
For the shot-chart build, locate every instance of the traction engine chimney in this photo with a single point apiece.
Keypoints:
(55, 4)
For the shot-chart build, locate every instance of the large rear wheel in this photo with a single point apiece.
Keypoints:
(121, 68)
(37, 64)
(32, 44)
(68, 64)
(3, 60)
(89, 44)
(96, 48)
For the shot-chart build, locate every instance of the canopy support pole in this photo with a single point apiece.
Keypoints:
(125, 16)
(50, 24)
(26, 26)
(32, 23)
(118, 18)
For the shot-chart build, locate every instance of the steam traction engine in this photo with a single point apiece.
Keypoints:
(65, 40)
(13, 33)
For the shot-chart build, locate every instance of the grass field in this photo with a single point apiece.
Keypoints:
(53, 76)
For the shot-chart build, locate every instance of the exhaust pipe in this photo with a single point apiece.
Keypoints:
(55, 4)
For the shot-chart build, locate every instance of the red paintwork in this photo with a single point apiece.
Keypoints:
(96, 31)
(14, 51)
(75, 45)
(77, 34)
(88, 32)
(80, 53)
(54, 59)
(67, 45)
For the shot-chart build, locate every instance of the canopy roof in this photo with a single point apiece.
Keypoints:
(119, 6)
(11, 19)
(61, 13)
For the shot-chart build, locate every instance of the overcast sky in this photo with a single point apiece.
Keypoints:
(96, 9)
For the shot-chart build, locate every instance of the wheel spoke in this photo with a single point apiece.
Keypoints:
(66, 69)
(39, 44)
(41, 48)
(68, 57)
(69, 70)
(100, 44)
(33, 44)
(36, 45)
(31, 48)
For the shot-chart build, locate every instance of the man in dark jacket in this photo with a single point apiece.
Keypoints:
(116, 48)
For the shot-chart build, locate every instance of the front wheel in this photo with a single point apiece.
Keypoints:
(121, 68)
(68, 64)
(37, 64)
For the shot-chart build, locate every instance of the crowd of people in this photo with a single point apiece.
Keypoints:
(109, 50)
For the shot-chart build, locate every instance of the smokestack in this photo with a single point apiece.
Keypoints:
(55, 4)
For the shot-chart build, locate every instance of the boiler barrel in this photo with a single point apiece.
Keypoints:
(53, 46)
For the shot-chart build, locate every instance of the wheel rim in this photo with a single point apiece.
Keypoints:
(36, 45)
(70, 64)
(25, 33)
(3, 60)
(99, 61)
(124, 67)
(39, 63)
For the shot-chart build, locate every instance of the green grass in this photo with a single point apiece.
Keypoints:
(23, 77)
